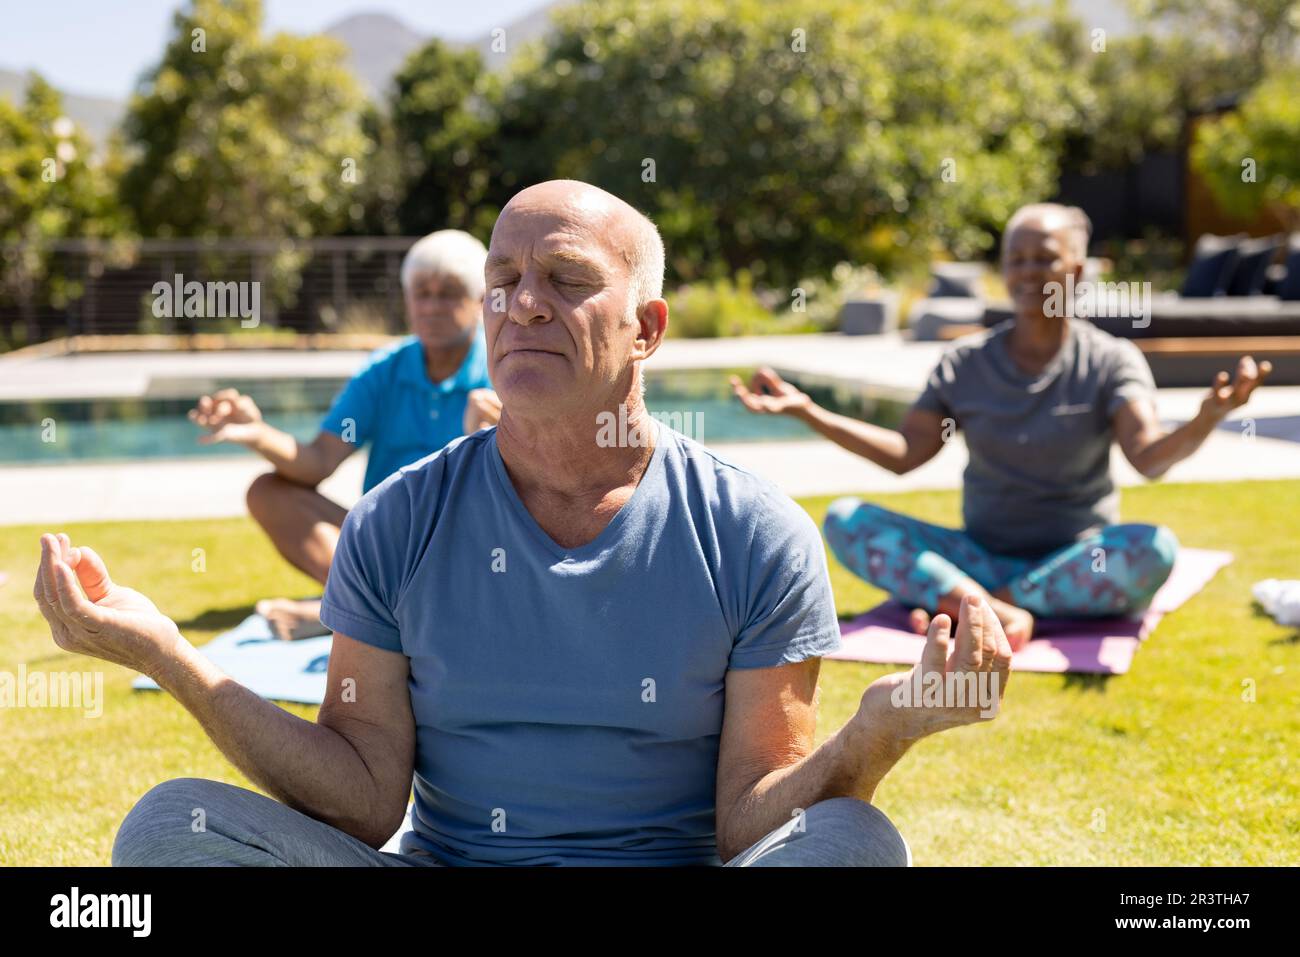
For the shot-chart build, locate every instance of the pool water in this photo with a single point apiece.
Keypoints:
(698, 403)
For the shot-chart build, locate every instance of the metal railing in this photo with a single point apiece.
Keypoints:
(109, 287)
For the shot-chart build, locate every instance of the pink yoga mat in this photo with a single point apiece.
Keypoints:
(1089, 645)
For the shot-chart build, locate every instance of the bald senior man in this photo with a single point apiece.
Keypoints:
(587, 646)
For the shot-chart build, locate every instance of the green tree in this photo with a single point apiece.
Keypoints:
(787, 138)
(1136, 92)
(1252, 37)
(380, 188)
(239, 134)
(442, 126)
(51, 187)
(1251, 157)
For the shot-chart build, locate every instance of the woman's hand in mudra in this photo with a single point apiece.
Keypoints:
(1228, 393)
(769, 394)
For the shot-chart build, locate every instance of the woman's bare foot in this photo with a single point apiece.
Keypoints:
(292, 619)
(1017, 623)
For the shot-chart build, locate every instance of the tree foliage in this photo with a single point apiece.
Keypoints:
(51, 187)
(787, 138)
(1136, 92)
(443, 128)
(1251, 157)
(238, 134)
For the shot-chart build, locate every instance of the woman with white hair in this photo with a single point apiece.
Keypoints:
(407, 402)
(1040, 399)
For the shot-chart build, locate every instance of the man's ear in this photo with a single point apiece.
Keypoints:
(652, 325)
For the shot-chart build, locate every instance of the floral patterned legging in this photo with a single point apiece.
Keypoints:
(1112, 572)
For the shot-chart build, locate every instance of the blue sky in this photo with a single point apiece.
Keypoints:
(100, 47)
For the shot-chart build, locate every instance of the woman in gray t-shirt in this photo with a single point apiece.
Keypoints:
(1040, 398)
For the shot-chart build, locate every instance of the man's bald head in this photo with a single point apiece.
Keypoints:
(629, 231)
(574, 305)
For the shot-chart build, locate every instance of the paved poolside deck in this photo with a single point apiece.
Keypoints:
(889, 361)
(200, 488)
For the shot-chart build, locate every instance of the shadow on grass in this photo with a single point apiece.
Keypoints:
(1085, 682)
(216, 619)
(1291, 639)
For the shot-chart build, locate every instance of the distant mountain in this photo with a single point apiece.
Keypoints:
(378, 45)
(527, 28)
(95, 114)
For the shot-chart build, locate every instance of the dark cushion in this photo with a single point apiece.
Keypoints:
(1273, 277)
(1253, 259)
(1212, 266)
(948, 280)
(944, 287)
(1289, 287)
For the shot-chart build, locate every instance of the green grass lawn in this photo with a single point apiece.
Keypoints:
(1165, 765)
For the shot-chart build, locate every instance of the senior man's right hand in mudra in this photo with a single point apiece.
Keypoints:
(91, 615)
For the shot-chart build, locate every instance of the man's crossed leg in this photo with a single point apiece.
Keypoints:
(241, 828)
(304, 527)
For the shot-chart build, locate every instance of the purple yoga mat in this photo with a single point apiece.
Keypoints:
(1089, 645)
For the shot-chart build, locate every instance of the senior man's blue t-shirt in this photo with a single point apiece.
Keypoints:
(569, 701)
(392, 405)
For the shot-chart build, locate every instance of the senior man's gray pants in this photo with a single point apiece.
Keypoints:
(242, 828)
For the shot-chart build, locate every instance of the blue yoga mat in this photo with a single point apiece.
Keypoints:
(275, 669)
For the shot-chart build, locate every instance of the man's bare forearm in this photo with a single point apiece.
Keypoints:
(292, 459)
(885, 447)
(307, 766)
(850, 763)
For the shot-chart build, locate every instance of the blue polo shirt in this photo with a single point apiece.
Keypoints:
(568, 702)
(392, 405)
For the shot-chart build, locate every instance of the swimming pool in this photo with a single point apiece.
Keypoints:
(48, 432)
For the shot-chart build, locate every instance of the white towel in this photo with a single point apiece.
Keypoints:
(1281, 599)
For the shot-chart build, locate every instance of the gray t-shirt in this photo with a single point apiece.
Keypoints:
(1039, 471)
(569, 702)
